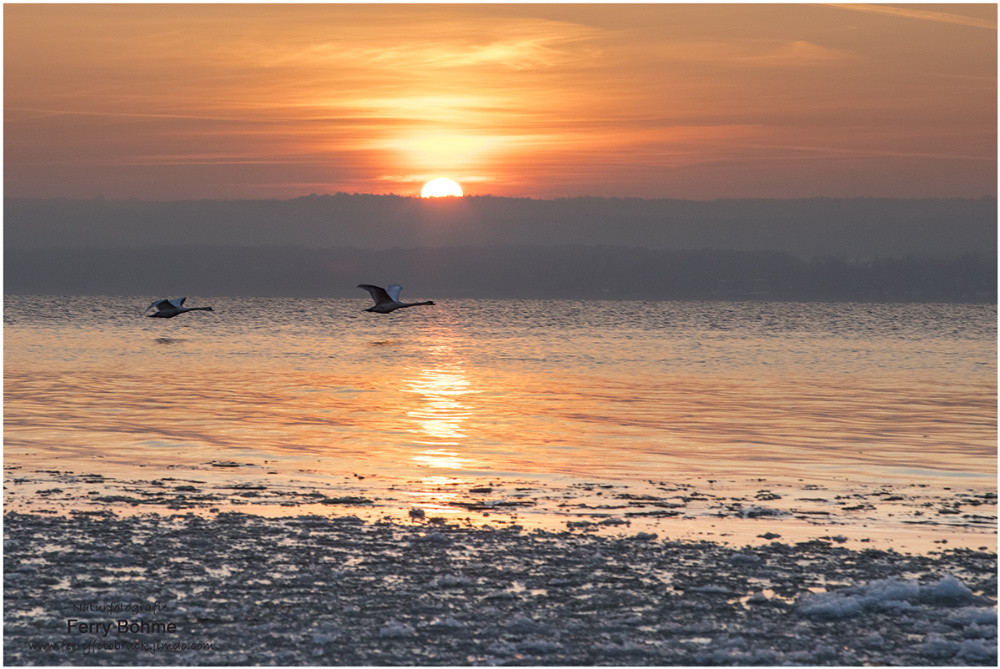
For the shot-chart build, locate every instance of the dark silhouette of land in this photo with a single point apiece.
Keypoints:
(586, 248)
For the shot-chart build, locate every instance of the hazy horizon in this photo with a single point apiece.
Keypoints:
(586, 248)
(491, 196)
(856, 133)
(846, 227)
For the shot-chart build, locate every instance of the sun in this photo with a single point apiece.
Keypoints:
(441, 188)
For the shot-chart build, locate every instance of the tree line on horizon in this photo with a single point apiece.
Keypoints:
(856, 228)
(560, 272)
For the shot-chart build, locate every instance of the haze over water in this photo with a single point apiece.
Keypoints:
(311, 392)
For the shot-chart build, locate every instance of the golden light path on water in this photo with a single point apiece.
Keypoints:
(690, 431)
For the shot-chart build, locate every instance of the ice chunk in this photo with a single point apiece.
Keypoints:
(875, 641)
(889, 594)
(447, 624)
(395, 630)
(744, 559)
(948, 591)
(760, 511)
(978, 651)
(939, 648)
(454, 581)
(539, 647)
(522, 624)
(973, 617)
(885, 594)
(434, 538)
(830, 606)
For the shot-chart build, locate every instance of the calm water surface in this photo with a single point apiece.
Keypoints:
(469, 390)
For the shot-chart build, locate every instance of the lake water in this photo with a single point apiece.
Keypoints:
(734, 410)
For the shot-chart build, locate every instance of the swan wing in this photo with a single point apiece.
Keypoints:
(167, 304)
(393, 291)
(378, 294)
(162, 304)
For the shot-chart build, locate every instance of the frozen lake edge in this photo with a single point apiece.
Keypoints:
(242, 589)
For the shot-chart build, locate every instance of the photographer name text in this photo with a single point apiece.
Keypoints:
(75, 626)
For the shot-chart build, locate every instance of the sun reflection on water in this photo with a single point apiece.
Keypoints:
(439, 412)
(440, 458)
(437, 494)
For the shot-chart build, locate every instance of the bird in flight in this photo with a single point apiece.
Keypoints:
(171, 308)
(387, 299)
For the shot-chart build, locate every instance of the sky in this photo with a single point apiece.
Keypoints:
(690, 101)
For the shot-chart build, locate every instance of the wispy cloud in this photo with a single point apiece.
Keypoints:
(519, 97)
(434, 44)
(21, 113)
(921, 14)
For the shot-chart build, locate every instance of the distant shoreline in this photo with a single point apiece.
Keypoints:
(817, 249)
(502, 272)
(846, 228)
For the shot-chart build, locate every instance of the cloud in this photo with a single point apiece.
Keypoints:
(797, 53)
(749, 53)
(921, 14)
(426, 47)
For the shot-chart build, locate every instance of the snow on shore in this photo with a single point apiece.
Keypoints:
(98, 589)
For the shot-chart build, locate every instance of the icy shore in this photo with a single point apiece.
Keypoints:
(98, 589)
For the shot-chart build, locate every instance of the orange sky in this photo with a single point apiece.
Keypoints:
(684, 101)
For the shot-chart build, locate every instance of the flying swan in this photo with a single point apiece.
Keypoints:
(171, 308)
(387, 299)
